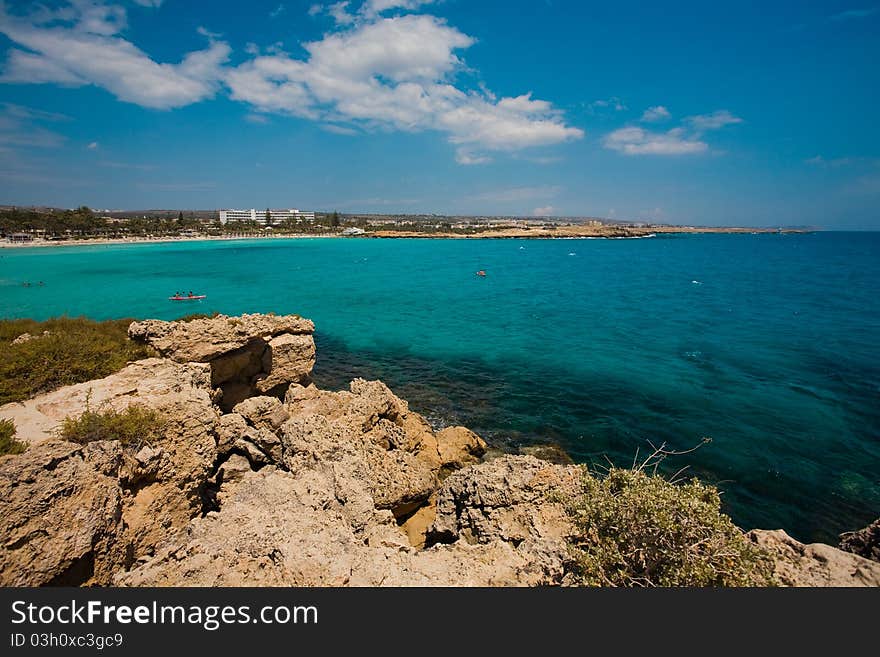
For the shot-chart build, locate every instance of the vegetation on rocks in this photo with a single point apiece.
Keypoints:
(8, 443)
(639, 529)
(135, 426)
(61, 351)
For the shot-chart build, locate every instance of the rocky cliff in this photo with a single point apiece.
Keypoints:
(260, 478)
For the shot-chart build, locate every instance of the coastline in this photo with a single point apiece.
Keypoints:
(269, 463)
(108, 241)
(561, 232)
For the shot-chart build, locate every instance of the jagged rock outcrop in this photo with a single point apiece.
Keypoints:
(261, 478)
(864, 542)
(158, 486)
(510, 498)
(248, 355)
(291, 529)
(202, 340)
(61, 511)
(163, 483)
(816, 564)
(149, 381)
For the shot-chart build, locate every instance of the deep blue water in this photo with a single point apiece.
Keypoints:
(768, 344)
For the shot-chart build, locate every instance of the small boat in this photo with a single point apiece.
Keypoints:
(482, 272)
(189, 297)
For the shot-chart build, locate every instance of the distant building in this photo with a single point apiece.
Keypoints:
(20, 237)
(259, 216)
(351, 232)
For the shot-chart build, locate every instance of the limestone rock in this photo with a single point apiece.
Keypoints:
(247, 355)
(61, 510)
(285, 529)
(816, 564)
(550, 452)
(288, 358)
(416, 525)
(263, 412)
(459, 446)
(360, 434)
(202, 340)
(163, 483)
(24, 337)
(865, 542)
(509, 498)
(148, 381)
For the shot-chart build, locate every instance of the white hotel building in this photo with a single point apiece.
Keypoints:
(259, 216)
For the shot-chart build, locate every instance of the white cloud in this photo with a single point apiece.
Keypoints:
(275, 13)
(316, 9)
(93, 146)
(638, 141)
(149, 3)
(713, 121)
(85, 50)
(546, 211)
(375, 73)
(683, 140)
(205, 32)
(396, 73)
(469, 158)
(655, 114)
(339, 12)
(613, 103)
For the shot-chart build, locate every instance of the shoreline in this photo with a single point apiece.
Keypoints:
(563, 232)
(109, 241)
(198, 506)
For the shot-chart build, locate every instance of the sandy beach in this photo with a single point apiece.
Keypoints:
(151, 240)
(560, 232)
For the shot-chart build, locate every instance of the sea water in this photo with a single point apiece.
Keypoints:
(768, 344)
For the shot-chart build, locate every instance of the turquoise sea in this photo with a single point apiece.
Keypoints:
(769, 344)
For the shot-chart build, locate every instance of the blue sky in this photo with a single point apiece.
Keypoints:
(708, 113)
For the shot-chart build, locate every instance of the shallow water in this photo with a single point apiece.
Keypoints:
(768, 344)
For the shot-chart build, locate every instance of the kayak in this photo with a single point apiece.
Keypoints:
(188, 298)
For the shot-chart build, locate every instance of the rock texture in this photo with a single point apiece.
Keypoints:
(157, 488)
(203, 340)
(151, 382)
(816, 564)
(291, 529)
(61, 509)
(261, 478)
(865, 542)
(248, 355)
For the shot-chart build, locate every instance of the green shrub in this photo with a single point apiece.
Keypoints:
(8, 443)
(75, 350)
(135, 426)
(638, 529)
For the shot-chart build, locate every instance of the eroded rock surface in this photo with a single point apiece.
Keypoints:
(261, 478)
(816, 564)
(248, 355)
(151, 382)
(61, 510)
(864, 542)
(203, 340)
